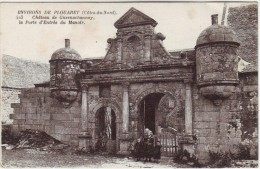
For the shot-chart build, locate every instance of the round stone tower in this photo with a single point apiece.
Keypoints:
(217, 61)
(64, 66)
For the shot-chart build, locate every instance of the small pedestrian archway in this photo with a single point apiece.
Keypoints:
(105, 130)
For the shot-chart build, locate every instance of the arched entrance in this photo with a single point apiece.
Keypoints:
(147, 110)
(105, 130)
(161, 112)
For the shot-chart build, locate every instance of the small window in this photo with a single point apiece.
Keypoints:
(104, 91)
(133, 39)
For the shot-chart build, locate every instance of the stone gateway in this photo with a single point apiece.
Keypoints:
(198, 96)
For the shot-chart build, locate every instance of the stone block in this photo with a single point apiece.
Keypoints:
(57, 136)
(15, 105)
(17, 110)
(213, 125)
(225, 118)
(74, 142)
(38, 121)
(65, 117)
(47, 122)
(75, 110)
(66, 111)
(30, 110)
(65, 137)
(65, 130)
(124, 148)
(202, 140)
(20, 116)
(22, 127)
(213, 132)
(201, 125)
(46, 116)
(15, 122)
(49, 129)
(204, 132)
(249, 88)
(71, 124)
(198, 116)
(21, 122)
(37, 127)
(33, 116)
(223, 126)
(210, 116)
(12, 116)
(39, 89)
(29, 121)
(26, 126)
(29, 104)
(78, 115)
(25, 100)
(207, 106)
(56, 122)
(77, 119)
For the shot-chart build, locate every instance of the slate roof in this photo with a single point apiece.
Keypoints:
(244, 21)
(20, 73)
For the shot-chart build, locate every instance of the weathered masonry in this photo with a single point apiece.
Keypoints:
(197, 95)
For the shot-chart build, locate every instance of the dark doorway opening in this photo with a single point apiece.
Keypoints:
(105, 130)
(148, 107)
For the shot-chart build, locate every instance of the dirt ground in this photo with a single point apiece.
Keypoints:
(33, 158)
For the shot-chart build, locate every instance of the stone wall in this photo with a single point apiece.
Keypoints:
(17, 74)
(9, 95)
(249, 109)
(213, 125)
(224, 128)
(37, 110)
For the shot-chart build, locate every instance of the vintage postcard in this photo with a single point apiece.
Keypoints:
(129, 84)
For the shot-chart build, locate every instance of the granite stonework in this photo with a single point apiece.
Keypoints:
(38, 110)
(199, 93)
(9, 95)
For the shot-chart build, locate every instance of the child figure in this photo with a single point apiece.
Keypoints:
(157, 152)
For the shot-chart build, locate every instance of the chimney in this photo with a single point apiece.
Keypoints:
(214, 19)
(67, 43)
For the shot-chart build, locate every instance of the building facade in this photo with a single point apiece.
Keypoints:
(197, 94)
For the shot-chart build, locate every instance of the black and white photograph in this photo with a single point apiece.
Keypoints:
(129, 84)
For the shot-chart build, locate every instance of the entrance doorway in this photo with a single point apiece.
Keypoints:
(105, 130)
(148, 107)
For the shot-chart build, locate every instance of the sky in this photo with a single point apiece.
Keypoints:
(181, 23)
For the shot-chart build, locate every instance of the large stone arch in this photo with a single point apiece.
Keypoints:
(140, 95)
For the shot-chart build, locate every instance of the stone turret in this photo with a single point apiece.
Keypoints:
(217, 61)
(64, 66)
